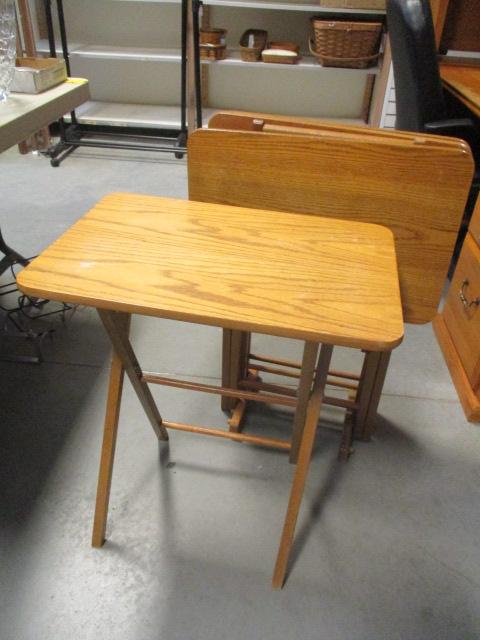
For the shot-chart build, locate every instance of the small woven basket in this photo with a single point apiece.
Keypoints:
(212, 36)
(252, 43)
(213, 51)
(354, 45)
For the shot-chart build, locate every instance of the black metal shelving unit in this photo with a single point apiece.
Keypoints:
(75, 134)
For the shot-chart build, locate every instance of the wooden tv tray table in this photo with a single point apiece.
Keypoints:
(318, 280)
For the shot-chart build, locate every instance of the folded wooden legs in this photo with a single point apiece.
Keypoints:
(362, 405)
(235, 350)
(370, 387)
(123, 360)
(307, 400)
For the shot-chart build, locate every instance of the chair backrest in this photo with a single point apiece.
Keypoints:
(418, 88)
(417, 186)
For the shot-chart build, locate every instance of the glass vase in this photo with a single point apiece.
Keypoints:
(7, 46)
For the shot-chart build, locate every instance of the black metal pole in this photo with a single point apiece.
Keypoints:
(183, 80)
(50, 31)
(63, 35)
(64, 41)
(196, 56)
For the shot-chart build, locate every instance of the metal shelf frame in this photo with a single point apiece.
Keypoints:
(75, 135)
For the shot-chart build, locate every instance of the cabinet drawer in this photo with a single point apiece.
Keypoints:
(474, 226)
(462, 318)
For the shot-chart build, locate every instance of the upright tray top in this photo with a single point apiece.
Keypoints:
(294, 275)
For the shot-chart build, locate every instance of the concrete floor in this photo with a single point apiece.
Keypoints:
(387, 546)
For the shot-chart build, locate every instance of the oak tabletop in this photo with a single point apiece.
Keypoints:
(294, 275)
(464, 82)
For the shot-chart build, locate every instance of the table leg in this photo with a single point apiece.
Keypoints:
(370, 387)
(113, 325)
(110, 429)
(11, 256)
(226, 347)
(123, 360)
(304, 390)
(304, 456)
(236, 347)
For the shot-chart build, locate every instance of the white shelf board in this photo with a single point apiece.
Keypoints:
(157, 1)
(139, 54)
(270, 4)
(128, 53)
(44, 47)
(116, 114)
(105, 52)
(308, 63)
(287, 6)
(153, 116)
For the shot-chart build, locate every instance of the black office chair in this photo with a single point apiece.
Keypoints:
(421, 102)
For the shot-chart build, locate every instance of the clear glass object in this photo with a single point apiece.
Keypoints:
(7, 46)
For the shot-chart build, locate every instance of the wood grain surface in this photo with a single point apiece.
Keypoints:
(256, 121)
(303, 277)
(468, 398)
(474, 226)
(416, 188)
(463, 82)
(463, 323)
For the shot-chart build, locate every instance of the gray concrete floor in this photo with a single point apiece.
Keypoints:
(387, 546)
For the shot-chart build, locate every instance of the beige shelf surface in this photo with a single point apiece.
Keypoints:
(23, 114)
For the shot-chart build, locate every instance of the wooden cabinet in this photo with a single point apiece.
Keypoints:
(458, 326)
(456, 24)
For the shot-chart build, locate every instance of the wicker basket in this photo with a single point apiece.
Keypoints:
(252, 43)
(345, 44)
(212, 36)
(213, 51)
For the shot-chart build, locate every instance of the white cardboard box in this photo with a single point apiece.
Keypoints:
(34, 75)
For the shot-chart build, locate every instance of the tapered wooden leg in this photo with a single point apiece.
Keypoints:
(112, 321)
(368, 426)
(235, 350)
(236, 418)
(109, 442)
(370, 387)
(304, 456)
(226, 403)
(309, 359)
(239, 371)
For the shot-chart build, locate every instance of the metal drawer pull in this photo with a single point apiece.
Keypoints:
(464, 298)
